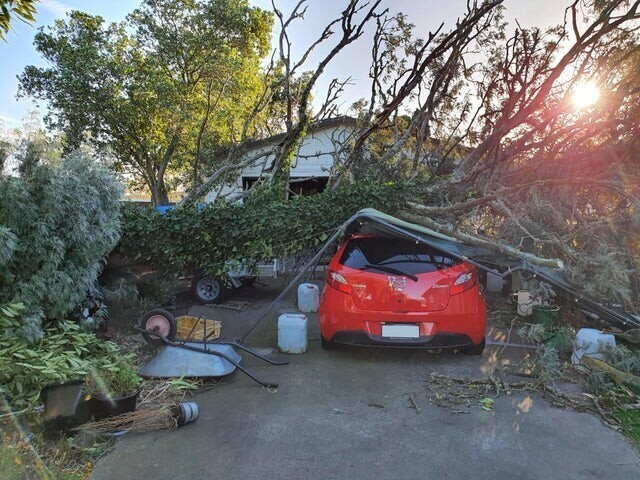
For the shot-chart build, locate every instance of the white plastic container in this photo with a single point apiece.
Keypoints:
(589, 342)
(494, 281)
(525, 303)
(308, 297)
(292, 333)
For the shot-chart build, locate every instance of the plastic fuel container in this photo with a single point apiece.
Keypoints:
(292, 333)
(308, 297)
(588, 342)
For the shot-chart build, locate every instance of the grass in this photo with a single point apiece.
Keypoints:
(629, 422)
(11, 464)
(26, 455)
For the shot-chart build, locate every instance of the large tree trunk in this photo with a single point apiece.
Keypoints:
(159, 195)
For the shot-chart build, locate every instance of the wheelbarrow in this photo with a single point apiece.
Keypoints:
(188, 357)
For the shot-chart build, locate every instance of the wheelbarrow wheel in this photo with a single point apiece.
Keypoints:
(208, 289)
(158, 321)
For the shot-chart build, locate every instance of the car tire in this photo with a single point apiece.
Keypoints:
(207, 289)
(161, 321)
(327, 344)
(475, 349)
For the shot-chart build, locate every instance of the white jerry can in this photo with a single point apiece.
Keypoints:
(589, 342)
(308, 297)
(292, 333)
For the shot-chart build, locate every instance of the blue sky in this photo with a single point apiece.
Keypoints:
(18, 51)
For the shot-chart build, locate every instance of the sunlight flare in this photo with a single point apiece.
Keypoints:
(585, 94)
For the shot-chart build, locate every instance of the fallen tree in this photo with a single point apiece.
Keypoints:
(493, 129)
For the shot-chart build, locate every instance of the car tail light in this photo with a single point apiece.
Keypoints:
(337, 281)
(464, 282)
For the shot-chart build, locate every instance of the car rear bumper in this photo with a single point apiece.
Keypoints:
(438, 341)
(461, 324)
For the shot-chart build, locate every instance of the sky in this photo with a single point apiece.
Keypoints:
(18, 51)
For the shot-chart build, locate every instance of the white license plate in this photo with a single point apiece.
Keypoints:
(400, 331)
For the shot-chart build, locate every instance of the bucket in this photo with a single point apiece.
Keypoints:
(308, 297)
(187, 412)
(292, 333)
(545, 315)
(589, 342)
(525, 303)
(62, 399)
(65, 407)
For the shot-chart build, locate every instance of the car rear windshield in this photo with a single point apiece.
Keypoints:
(405, 255)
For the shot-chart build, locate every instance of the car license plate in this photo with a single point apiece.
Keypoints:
(402, 330)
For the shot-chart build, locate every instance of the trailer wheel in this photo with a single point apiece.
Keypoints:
(208, 289)
(159, 321)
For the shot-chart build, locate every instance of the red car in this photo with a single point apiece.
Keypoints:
(394, 292)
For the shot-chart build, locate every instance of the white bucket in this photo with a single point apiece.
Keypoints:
(308, 297)
(589, 342)
(525, 303)
(494, 281)
(292, 333)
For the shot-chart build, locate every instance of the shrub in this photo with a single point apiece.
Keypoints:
(58, 220)
(208, 236)
(66, 352)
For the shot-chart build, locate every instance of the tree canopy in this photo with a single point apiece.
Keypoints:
(157, 90)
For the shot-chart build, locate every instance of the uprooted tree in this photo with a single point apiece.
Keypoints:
(487, 125)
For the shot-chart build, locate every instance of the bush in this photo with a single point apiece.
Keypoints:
(262, 228)
(65, 353)
(58, 220)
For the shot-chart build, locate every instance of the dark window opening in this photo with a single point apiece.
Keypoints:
(308, 186)
(248, 183)
(297, 186)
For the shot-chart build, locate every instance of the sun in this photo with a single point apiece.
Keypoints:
(585, 94)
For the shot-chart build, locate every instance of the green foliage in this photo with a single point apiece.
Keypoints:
(621, 358)
(59, 219)
(548, 365)
(64, 353)
(629, 420)
(541, 292)
(22, 9)
(554, 340)
(11, 463)
(259, 229)
(153, 88)
(114, 379)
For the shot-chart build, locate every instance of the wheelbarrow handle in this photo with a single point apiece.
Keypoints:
(252, 352)
(211, 352)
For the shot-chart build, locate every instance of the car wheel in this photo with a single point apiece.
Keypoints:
(475, 349)
(327, 344)
(208, 289)
(159, 321)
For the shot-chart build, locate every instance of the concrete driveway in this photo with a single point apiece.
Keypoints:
(348, 414)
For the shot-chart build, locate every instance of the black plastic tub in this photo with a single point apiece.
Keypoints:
(65, 406)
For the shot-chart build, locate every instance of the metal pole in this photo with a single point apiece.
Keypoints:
(339, 231)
